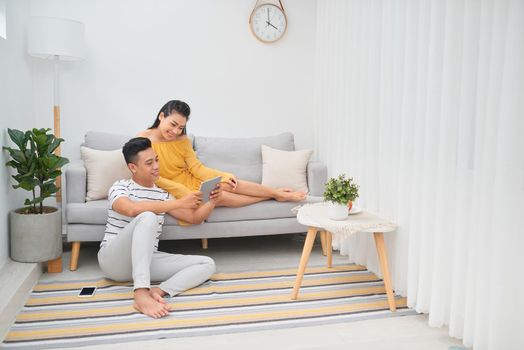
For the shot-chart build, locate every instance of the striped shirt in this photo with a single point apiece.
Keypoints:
(135, 192)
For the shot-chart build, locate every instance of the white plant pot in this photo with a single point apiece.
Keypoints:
(337, 211)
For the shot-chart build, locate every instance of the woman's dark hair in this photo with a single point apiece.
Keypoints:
(173, 106)
(133, 146)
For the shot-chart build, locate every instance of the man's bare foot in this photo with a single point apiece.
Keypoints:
(288, 195)
(145, 304)
(158, 294)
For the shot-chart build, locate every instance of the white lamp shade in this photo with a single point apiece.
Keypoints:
(49, 37)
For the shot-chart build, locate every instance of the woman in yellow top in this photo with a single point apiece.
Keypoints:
(181, 173)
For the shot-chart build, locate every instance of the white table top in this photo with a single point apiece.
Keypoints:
(315, 215)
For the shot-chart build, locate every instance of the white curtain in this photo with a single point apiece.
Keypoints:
(422, 103)
(3, 19)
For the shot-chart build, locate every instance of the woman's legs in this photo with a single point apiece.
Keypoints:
(245, 193)
(249, 188)
(235, 200)
(248, 193)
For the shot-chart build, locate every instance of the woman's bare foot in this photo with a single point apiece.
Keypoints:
(285, 189)
(158, 294)
(145, 304)
(289, 195)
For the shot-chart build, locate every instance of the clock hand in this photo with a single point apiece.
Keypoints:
(267, 22)
(272, 25)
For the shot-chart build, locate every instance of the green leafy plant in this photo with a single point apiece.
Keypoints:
(36, 165)
(341, 190)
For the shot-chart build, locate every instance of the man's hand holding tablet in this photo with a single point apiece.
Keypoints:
(207, 187)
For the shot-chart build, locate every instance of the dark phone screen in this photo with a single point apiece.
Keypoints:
(87, 291)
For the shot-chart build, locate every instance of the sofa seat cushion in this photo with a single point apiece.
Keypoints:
(95, 212)
(264, 210)
(92, 212)
(270, 209)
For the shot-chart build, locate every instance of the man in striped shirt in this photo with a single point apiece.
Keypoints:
(129, 249)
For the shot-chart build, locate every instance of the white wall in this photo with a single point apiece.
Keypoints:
(15, 106)
(141, 54)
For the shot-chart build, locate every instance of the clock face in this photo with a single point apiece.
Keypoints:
(268, 23)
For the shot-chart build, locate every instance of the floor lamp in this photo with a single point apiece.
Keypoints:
(56, 39)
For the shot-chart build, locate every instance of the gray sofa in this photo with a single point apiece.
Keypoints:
(85, 221)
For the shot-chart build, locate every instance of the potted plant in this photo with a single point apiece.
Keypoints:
(340, 193)
(35, 230)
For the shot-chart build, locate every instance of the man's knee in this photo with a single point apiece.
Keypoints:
(146, 225)
(209, 263)
(148, 216)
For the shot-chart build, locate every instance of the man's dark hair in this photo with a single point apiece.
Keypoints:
(133, 146)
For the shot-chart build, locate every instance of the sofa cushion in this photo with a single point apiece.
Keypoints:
(259, 211)
(105, 141)
(263, 210)
(240, 156)
(93, 212)
(104, 168)
(281, 169)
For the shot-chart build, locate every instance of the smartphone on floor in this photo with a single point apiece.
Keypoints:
(86, 292)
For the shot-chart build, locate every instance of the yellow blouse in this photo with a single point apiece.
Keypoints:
(181, 172)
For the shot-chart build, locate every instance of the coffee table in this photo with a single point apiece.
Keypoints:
(315, 217)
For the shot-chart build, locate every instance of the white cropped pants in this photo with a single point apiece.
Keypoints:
(131, 255)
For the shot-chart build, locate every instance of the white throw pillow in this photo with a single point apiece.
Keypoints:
(285, 168)
(103, 169)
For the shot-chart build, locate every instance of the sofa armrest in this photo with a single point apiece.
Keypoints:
(316, 178)
(76, 182)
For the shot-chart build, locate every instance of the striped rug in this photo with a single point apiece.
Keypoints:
(54, 316)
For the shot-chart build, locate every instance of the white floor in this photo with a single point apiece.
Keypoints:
(269, 252)
(401, 333)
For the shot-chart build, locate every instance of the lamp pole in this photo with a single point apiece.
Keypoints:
(56, 39)
(56, 119)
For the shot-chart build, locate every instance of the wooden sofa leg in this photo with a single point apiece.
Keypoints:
(75, 252)
(204, 243)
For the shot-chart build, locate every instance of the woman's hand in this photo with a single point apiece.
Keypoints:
(191, 201)
(216, 195)
(233, 182)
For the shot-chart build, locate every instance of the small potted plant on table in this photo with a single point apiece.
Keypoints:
(35, 230)
(340, 192)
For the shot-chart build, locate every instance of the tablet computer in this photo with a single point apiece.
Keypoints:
(207, 187)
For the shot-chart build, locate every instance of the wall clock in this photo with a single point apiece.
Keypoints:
(268, 22)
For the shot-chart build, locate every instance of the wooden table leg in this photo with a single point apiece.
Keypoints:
(306, 252)
(54, 266)
(323, 242)
(382, 256)
(329, 248)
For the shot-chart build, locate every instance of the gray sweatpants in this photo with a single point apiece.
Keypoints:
(131, 255)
